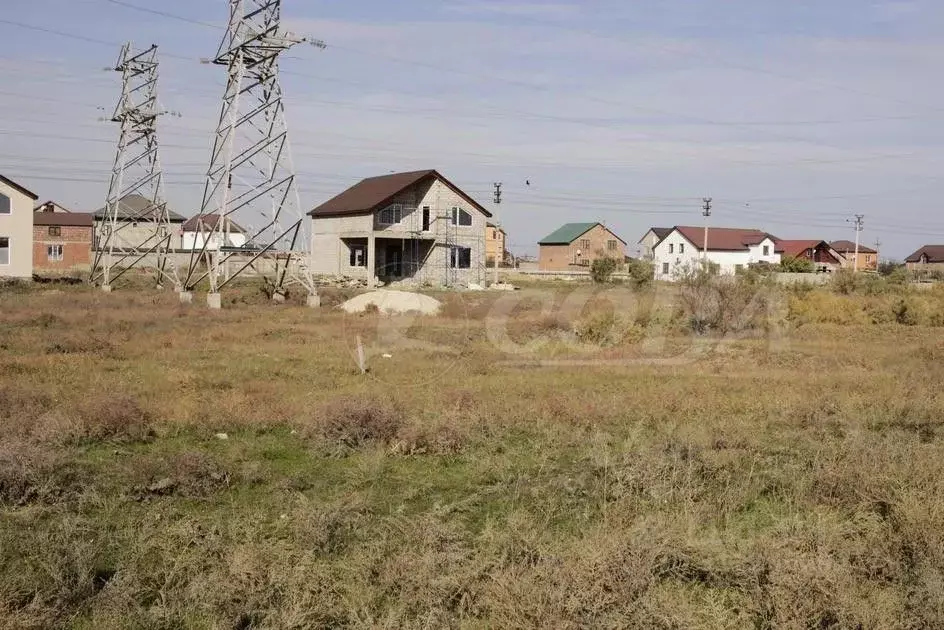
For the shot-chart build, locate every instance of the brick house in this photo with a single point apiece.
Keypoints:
(62, 240)
(495, 244)
(868, 257)
(928, 258)
(574, 246)
(820, 253)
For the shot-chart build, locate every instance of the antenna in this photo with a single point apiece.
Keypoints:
(135, 228)
(251, 176)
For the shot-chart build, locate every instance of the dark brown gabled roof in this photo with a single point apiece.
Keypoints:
(63, 219)
(210, 222)
(375, 193)
(13, 184)
(848, 247)
(724, 239)
(660, 233)
(935, 254)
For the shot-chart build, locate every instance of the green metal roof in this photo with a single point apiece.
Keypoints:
(567, 233)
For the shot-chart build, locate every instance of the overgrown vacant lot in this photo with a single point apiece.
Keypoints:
(797, 483)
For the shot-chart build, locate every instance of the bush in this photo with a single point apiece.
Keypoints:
(797, 265)
(844, 282)
(355, 421)
(118, 418)
(723, 304)
(641, 272)
(608, 330)
(602, 269)
(888, 267)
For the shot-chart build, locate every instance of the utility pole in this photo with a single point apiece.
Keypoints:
(878, 251)
(251, 174)
(135, 228)
(859, 222)
(501, 253)
(706, 212)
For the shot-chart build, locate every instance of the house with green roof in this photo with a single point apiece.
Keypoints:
(574, 246)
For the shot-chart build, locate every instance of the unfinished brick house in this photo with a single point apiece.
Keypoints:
(62, 240)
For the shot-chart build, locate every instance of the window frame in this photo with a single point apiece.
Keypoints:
(59, 255)
(54, 230)
(457, 215)
(766, 250)
(671, 248)
(681, 248)
(459, 261)
(611, 245)
(8, 204)
(9, 250)
(665, 268)
(396, 211)
(354, 249)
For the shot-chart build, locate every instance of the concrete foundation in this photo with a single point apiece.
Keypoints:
(314, 301)
(278, 298)
(214, 301)
(186, 297)
(106, 288)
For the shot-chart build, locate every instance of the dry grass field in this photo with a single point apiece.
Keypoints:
(792, 478)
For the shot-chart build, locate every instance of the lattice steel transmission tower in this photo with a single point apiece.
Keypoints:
(251, 177)
(135, 229)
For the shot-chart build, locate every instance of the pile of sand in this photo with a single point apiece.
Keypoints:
(393, 302)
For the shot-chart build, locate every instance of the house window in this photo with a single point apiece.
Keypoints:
(766, 250)
(585, 244)
(5, 204)
(461, 217)
(671, 248)
(611, 246)
(391, 215)
(54, 253)
(460, 258)
(665, 268)
(358, 256)
(55, 230)
(681, 248)
(426, 218)
(4, 250)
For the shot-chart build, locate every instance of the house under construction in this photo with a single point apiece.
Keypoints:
(407, 226)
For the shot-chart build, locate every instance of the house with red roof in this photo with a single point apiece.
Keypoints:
(731, 249)
(818, 252)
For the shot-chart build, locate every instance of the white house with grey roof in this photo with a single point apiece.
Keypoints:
(406, 226)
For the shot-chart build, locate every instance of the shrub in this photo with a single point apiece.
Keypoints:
(723, 304)
(602, 269)
(844, 282)
(888, 267)
(640, 272)
(357, 420)
(608, 330)
(797, 265)
(119, 418)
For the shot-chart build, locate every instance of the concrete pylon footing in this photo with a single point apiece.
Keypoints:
(278, 298)
(106, 288)
(214, 301)
(186, 297)
(314, 301)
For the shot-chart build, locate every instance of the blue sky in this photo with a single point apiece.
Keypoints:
(791, 115)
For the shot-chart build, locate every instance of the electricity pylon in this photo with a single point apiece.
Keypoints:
(135, 229)
(251, 177)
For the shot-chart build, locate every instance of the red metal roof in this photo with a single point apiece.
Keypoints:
(794, 248)
(723, 239)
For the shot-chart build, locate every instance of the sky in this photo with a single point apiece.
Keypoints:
(792, 116)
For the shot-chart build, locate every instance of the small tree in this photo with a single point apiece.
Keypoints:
(797, 265)
(602, 269)
(641, 272)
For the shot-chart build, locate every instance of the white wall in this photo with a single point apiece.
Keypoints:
(18, 227)
(726, 261)
(194, 240)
